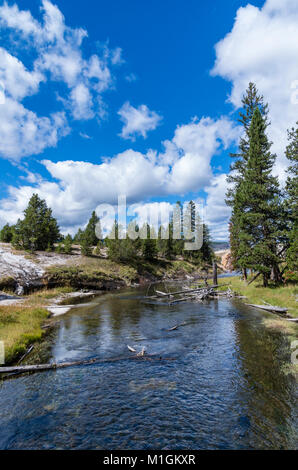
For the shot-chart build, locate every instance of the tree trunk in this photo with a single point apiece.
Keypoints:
(244, 274)
(265, 280)
(275, 273)
(214, 273)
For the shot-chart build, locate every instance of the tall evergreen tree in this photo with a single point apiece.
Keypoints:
(39, 229)
(250, 102)
(292, 199)
(258, 195)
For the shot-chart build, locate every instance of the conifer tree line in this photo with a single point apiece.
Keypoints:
(263, 223)
(39, 230)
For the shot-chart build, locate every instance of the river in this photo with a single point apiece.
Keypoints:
(225, 385)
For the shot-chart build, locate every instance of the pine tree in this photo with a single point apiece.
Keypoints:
(207, 253)
(88, 238)
(149, 245)
(113, 243)
(250, 102)
(90, 231)
(67, 244)
(6, 234)
(39, 229)
(86, 247)
(169, 251)
(258, 195)
(78, 236)
(119, 248)
(292, 199)
(178, 242)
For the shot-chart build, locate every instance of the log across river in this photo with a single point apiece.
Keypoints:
(223, 381)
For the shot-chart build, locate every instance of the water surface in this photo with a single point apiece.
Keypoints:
(225, 387)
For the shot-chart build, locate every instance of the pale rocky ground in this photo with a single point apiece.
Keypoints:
(24, 267)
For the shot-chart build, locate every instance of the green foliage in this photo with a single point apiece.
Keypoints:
(90, 231)
(59, 248)
(6, 234)
(259, 199)
(291, 203)
(86, 248)
(88, 238)
(250, 102)
(78, 236)
(67, 242)
(120, 247)
(149, 245)
(38, 230)
(98, 248)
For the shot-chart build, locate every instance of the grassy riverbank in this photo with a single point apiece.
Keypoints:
(98, 273)
(19, 327)
(21, 324)
(281, 296)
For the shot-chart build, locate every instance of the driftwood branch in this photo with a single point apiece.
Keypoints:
(62, 365)
(269, 308)
(189, 291)
(26, 354)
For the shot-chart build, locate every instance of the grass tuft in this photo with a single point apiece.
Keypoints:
(20, 327)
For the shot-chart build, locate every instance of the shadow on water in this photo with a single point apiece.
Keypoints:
(227, 388)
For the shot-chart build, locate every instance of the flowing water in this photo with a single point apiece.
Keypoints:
(222, 382)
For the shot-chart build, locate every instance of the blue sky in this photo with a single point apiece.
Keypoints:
(105, 97)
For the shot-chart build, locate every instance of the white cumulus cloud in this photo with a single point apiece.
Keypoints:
(262, 47)
(58, 57)
(137, 121)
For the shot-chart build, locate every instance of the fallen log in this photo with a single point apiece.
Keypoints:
(62, 365)
(270, 308)
(176, 301)
(169, 294)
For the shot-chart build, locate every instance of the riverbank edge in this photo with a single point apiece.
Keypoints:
(281, 296)
(25, 320)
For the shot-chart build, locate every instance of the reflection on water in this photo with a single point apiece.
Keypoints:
(224, 389)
